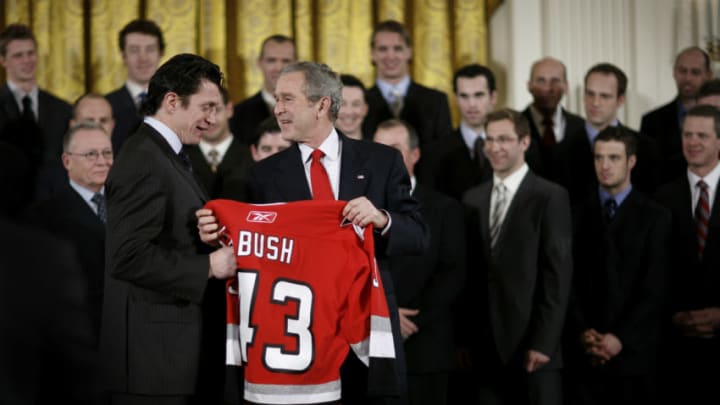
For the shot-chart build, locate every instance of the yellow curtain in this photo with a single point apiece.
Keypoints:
(78, 39)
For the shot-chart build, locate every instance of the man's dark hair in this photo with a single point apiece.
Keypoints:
(13, 32)
(610, 69)
(267, 126)
(522, 127)
(618, 134)
(182, 75)
(413, 138)
(472, 71)
(279, 38)
(140, 26)
(351, 81)
(709, 88)
(707, 111)
(391, 26)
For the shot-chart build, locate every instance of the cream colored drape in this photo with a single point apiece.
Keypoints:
(78, 44)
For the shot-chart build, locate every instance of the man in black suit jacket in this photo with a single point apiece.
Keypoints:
(550, 123)
(276, 52)
(157, 268)
(605, 86)
(30, 117)
(395, 94)
(519, 241)
(371, 177)
(664, 124)
(620, 252)
(220, 160)
(427, 285)
(141, 45)
(693, 335)
(456, 163)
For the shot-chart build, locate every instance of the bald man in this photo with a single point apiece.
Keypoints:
(549, 121)
(96, 108)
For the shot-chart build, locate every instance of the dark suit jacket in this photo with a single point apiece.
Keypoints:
(546, 161)
(247, 115)
(619, 280)
(426, 109)
(450, 169)
(431, 283)
(367, 169)
(42, 140)
(230, 180)
(663, 126)
(578, 176)
(69, 217)
(157, 271)
(127, 117)
(527, 278)
(46, 342)
(694, 283)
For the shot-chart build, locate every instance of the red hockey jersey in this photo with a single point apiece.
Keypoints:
(307, 290)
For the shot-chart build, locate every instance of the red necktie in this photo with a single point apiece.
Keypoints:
(548, 137)
(702, 216)
(319, 180)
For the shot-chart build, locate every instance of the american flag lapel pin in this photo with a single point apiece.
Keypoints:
(361, 177)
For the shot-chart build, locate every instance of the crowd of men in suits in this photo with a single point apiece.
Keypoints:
(563, 259)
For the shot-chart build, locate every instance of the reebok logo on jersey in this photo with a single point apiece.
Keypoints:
(266, 217)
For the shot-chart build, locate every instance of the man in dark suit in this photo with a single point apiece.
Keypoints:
(77, 211)
(268, 140)
(693, 336)
(457, 163)
(519, 241)
(30, 117)
(276, 52)
(395, 94)
(550, 123)
(664, 124)
(427, 285)
(605, 86)
(370, 177)
(709, 93)
(141, 45)
(157, 269)
(620, 252)
(220, 160)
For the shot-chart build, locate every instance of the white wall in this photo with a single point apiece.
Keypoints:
(639, 36)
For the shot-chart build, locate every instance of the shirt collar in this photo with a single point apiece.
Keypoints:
(711, 179)
(470, 136)
(592, 133)
(134, 89)
(84, 192)
(512, 182)
(220, 147)
(18, 94)
(619, 197)
(168, 134)
(387, 88)
(330, 146)
(268, 98)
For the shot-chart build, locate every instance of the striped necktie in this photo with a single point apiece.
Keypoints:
(702, 217)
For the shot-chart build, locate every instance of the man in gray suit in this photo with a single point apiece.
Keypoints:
(522, 225)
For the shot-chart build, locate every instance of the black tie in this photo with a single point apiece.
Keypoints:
(99, 200)
(27, 111)
(185, 159)
(479, 152)
(610, 208)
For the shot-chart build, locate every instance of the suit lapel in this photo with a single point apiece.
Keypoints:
(291, 182)
(354, 177)
(9, 106)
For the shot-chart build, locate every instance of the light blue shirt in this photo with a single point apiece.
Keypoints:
(386, 89)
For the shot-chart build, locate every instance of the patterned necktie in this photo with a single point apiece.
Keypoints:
(27, 111)
(396, 105)
(702, 217)
(548, 136)
(610, 209)
(319, 179)
(99, 201)
(214, 156)
(498, 209)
